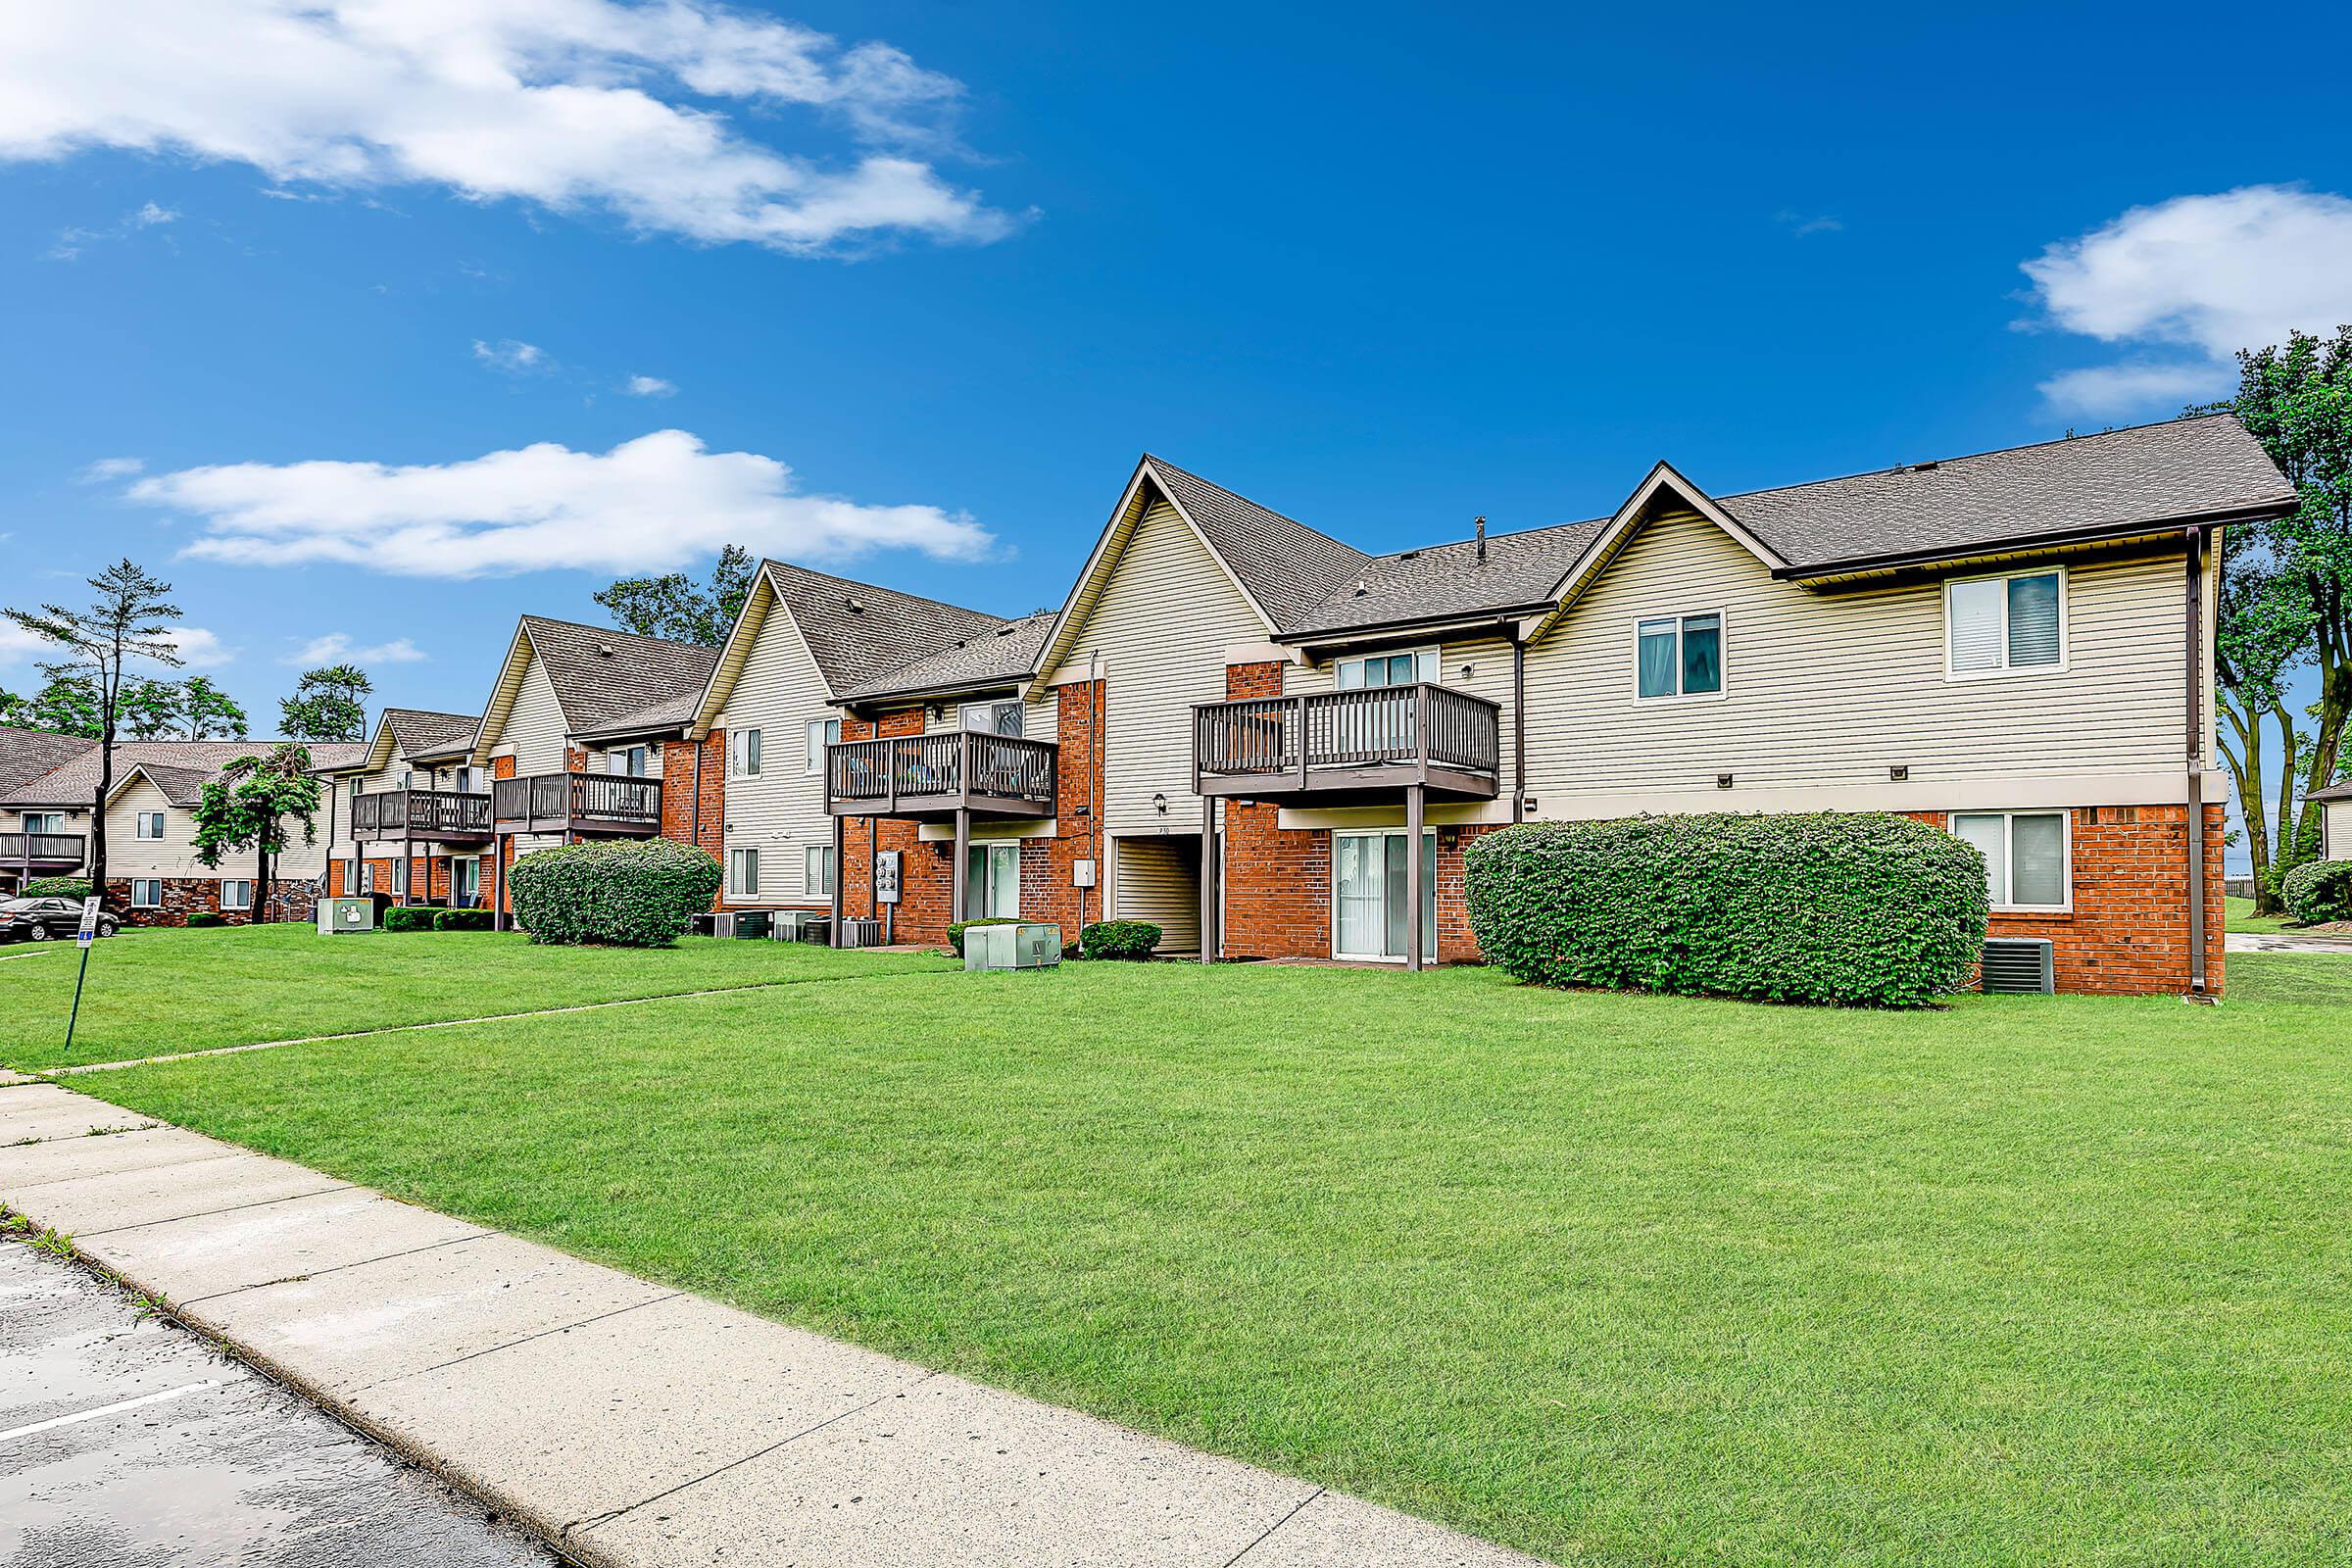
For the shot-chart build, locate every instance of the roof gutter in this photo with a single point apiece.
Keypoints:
(1016, 682)
(2094, 533)
(1484, 619)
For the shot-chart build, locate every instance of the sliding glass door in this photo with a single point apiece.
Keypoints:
(1368, 891)
(992, 882)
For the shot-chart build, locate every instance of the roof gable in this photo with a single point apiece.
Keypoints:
(600, 675)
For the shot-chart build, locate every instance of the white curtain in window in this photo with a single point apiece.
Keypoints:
(1658, 657)
(1975, 610)
(1987, 833)
(2037, 859)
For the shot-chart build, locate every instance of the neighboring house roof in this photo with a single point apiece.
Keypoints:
(77, 783)
(600, 674)
(1003, 656)
(27, 754)
(858, 634)
(2334, 792)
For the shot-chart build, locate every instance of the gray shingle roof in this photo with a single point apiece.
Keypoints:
(858, 634)
(1287, 567)
(1009, 653)
(2334, 792)
(420, 732)
(75, 784)
(27, 754)
(600, 674)
(669, 712)
(1443, 581)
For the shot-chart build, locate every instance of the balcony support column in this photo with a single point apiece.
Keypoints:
(1416, 801)
(840, 832)
(1209, 879)
(960, 871)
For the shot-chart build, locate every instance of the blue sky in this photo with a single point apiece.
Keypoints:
(953, 266)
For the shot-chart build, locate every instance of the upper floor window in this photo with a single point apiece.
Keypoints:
(2003, 625)
(991, 719)
(1679, 655)
(149, 825)
(743, 753)
(626, 759)
(1388, 670)
(406, 778)
(465, 781)
(822, 732)
(355, 783)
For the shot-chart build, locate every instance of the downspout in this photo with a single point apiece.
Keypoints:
(2197, 980)
(1518, 725)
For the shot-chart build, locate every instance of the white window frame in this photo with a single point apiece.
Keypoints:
(138, 829)
(43, 822)
(1723, 657)
(817, 734)
(987, 714)
(1428, 664)
(367, 878)
(154, 902)
(744, 752)
(627, 762)
(400, 876)
(2066, 856)
(229, 882)
(1429, 936)
(819, 886)
(2007, 670)
(739, 859)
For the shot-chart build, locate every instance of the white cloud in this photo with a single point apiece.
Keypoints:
(150, 214)
(563, 104)
(335, 648)
(198, 648)
(649, 386)
(2201, 277)
(653, 504)
(106, 468)
(1801, 225)
(512, 355)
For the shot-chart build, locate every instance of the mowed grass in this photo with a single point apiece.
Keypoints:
(1613, 1279)
(156, 991)
(2238, 915)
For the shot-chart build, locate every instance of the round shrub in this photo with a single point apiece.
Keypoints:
(463, 920)
(76, 888)
(1118, 939)
(203, 921)
(629, 893)
(1847, 907)
(2317, 892)
(956, 932)
(407, 917)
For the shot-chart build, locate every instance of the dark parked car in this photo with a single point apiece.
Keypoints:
(39, 920)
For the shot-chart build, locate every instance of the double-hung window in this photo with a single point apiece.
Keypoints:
(236, 893)
(629, 760)
(146, 893)
(2005, 625)
(1679, 655)
(149, 825)
(400, 876)
(2025, 855)
(743, 753)
(991, 719)
(821, 733)
(743, 874)
(816, 870)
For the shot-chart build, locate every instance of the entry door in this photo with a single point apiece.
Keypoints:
(464, 883)
(991, 884)
(1368, 890)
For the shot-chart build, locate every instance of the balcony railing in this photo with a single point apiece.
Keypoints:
(53, 850)
(937, 775)
(591, 802)
(420, 814)
(1363, 741)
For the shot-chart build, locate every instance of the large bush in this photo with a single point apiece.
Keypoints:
(1118, 939)
(407, 917)
(77, 888)
(638, 893)
(2318, 891)
(1843, 908)
(203, 921)
(463, 920)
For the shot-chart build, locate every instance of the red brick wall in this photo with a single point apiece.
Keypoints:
(289, 901)
(681, 795)
(2127, 932)
(925, 870)
(1047, 895)
(1277, 881)
(501, 855)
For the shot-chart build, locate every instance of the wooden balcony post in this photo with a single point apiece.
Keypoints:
(1298, 711)
(956, 881)
(1209, 879)
(1415, 796)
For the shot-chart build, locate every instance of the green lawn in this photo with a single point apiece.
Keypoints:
(2239, 916)
(161, 990)
(1617, 1280)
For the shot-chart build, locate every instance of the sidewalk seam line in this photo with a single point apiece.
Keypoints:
(321, 1273)
(493, 1350)
(227, 1208)
(1276, 1525)
(93, 1175)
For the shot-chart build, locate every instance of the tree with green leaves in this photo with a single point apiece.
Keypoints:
(130, 619)
(65, 705)
(250, 806)
(2286, 598)
(675, 607)
(329, 703)
(150, 710)
(209, 713)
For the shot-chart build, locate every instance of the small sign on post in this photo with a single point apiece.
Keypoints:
(82, 938)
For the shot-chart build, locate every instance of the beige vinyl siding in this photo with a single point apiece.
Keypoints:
(534, 734)
(781, 811)
(175, 854)
(1826, 689)
(1154, 881)
(2335, 824)
(1161, 625)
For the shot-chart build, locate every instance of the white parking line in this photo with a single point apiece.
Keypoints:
(117, 1409)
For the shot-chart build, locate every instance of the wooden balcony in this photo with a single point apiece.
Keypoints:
(576, 802)
(450, 816)
(1349, 748)
(929, 777)
(45, 852)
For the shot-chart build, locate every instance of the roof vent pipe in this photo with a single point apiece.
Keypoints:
(1482, 541)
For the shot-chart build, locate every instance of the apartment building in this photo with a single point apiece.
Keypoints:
(410, 817)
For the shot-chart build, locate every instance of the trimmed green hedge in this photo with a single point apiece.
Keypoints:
(956, 932)
(637, 893)
(2318, 891)
(204, 919)
(1858, 908)
(405, 917)
(1118, 939)
(463, 920)
(76, 888)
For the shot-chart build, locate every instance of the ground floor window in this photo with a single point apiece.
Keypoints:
(816, 870)
(146, 893)
(2025, 855)
(1368, 891)
(236, 893)
(366, 877)
(743, 874)
(992, 882)
(400, 876)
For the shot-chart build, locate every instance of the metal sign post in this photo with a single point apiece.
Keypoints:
(82, 938)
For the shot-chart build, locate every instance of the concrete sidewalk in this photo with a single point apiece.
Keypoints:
(634, 1424)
